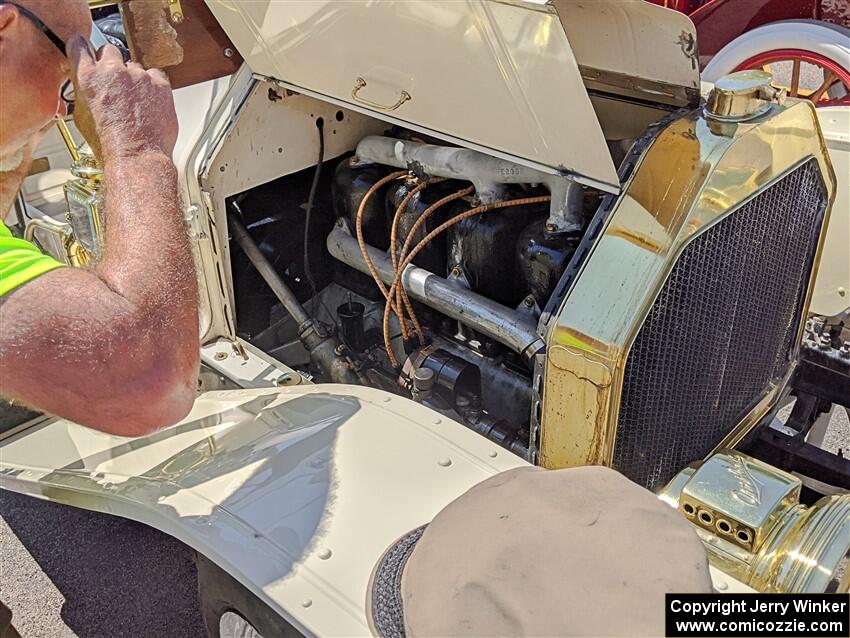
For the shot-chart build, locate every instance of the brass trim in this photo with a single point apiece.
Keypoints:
(70, 144)
(763, 407)
(175, 11)
(360, 83)
(75, 255)
(694, 173)
(82, 193)
(47, 224)
(742, 96)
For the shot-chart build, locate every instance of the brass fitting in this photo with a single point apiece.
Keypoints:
(749, 516)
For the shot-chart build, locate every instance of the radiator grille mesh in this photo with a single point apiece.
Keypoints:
(721, 331)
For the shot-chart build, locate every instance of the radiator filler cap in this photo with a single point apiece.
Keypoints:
(742, 96)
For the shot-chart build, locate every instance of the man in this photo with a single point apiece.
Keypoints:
(114, 347)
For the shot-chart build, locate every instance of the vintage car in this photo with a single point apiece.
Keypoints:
(439, 240)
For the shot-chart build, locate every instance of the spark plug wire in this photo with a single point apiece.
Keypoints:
(406, 258)
(361, 241)
(404, 299)
(401, 293)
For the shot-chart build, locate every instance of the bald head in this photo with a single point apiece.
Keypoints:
(32, 70)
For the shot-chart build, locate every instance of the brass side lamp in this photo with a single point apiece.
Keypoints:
(83, 195)
(81, 237)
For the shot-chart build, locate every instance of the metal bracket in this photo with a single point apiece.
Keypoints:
(175, 11)
(536, 408)
(457, 277)
(565, 208)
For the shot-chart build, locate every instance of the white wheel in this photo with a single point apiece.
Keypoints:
(232, 625)
(809, 58)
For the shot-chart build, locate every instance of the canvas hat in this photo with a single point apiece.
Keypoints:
(533, 552)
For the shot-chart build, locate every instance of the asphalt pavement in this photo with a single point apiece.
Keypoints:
(66, 572)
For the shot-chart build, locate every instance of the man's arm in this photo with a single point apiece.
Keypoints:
(115, 348)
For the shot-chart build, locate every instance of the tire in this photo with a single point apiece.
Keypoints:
(830, 41)
(229, 610)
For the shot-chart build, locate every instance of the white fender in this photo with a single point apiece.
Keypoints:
(295, 492)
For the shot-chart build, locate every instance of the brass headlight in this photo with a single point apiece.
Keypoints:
(81, 238)
(84, 209)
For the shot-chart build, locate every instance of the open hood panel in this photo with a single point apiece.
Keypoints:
(499, 76)
(633, 50)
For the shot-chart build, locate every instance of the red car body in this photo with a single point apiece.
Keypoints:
(718, 22)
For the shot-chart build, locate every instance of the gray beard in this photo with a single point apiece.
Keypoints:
(9, 163)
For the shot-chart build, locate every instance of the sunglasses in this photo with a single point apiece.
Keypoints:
(66, 92)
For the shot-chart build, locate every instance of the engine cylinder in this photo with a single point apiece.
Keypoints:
(477, 246)
(433, 256)
(542, 259)
(350, 185)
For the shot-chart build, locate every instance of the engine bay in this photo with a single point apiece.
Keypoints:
(481, 244)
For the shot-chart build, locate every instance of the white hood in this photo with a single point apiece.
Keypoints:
(498, 76)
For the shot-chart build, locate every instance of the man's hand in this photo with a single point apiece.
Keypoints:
(121, 109)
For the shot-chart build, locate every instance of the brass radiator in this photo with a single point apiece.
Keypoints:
(722, 331)
(679, 330)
